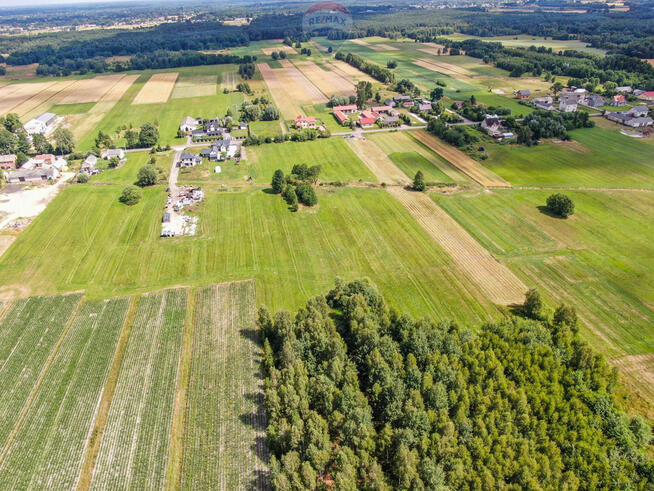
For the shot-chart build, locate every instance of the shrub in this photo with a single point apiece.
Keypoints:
(82, 178)
(147, 176)
(130, 195)
(560, 205)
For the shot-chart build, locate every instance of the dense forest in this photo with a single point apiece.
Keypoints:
(360, 396)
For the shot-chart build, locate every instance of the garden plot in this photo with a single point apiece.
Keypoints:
(48, 449)
(157, 89)
(195, 86)
(90, 89)
(329, 82)
(14, 94)
(30, 332)
(224, 440)
(134, 449)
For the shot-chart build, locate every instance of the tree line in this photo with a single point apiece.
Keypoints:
(361, 396)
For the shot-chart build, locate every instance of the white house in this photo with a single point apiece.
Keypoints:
(41, 124)
(113, 152)
(189, 124)
(222, 150)
(189, 160)
(568, 102)
(89, 166)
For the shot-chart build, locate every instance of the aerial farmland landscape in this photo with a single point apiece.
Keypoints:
(298, 245)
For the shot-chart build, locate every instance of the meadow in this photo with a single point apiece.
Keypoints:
(595, 157)
(525, 41)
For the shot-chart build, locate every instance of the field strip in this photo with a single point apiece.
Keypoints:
(494, 279)
(378, 162)
(328, 82)
(22, 364)
(90, 89)
(116, 92)
(349, 72)
(134, 448)
(157, 89)
(174, 471)
(15, 94)
(6, 305)
(280, 93)
(640, 370)
(287, 49)
(461, 161)
(229, 79)
(224, 441)
(48, 450)
(197, 86)
(95, 437)
(310, 91)
(45, 99)
(444, 68)
(375, 46)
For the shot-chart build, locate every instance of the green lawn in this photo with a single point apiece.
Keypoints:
(64, 109)
(109, 249)
(596, 157)
(127, 172)
(601, 260)
(338, 161)
(265, 129)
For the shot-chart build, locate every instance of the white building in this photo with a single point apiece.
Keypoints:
(113, 152)
(189, 124)
(41, 124)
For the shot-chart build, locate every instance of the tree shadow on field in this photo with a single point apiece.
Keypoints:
(254, 335)
(268, 191)
(546, 211)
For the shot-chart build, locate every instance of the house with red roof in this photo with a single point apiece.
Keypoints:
(618, 100)
(370, 115)
(340, 117)
(366, 122)
(382, 109)
(647, 96)
(352, 108)
(304, 122)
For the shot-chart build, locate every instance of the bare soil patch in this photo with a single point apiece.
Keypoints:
(157, 89)
(461, 161)
(350, 73)
(40, 102)
(375, 46)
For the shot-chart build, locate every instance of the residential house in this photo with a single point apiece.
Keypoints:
(626, 89)
(638, 92)
(304, 122)
(568, 102)
(114, 152)
(425, 107)
(89, 166)
(408, 104)
(243, 126)
(390, 103)
(638, 111)
(189, 124)
(198, 134)
(189, 160)
(544, 103)
(596, 101)
(391, 120)
(33, 175)
(523, 94)
(349, 109)
(639, 122)
(647, 96)
(492, 125)
(7, 162)
(618, 100)
(366, 122)
(221, 150)
(401, 98)
(340, 117)
(40, 161)
(627, 118)
(214, 129)
(41, 124)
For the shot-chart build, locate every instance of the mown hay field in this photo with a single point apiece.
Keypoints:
(157, 89)
(328, 81)
(194, 86)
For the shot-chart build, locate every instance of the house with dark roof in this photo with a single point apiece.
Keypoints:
(523, 94)
(188, 159)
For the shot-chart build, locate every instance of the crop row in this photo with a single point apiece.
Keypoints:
(48, 449)
(135, 443)
(29, 332)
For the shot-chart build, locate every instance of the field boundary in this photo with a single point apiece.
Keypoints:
(176, 447)
(37, 384)
(100, 420)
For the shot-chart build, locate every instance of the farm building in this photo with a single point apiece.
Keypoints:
(7, 162)
(89, 166)
(390, 103)
(408, 104)
(189, 160)
(349, 109)
(113, 152)
(391, 120)
(625, 89)
(370, 115)
(340, 117)
(366, 122)
(425, 107)
(32, 175)
(596, 101)
(188, 124)
(303, 122)
(544, 103)
(401, 98)
(41, 124)
(523, 94)
(647, 96)
(382, 109)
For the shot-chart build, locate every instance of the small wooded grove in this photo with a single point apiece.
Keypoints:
(360, 396)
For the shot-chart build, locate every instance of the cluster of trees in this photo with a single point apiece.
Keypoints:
(405, 86)
(360, 396)
(305, 51)
(14, 139)
(246, 70)
(297, 186)
(548, 124)
(341, 100)
(278, 55)
(454, 135)
(477, 112)
(144, 137)
(384, 75)
(259, 109)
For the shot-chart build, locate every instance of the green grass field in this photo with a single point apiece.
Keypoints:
(135, 442)
(525, 41)
(48, 449)
(600, 260)
(596, 157)
(127, 172)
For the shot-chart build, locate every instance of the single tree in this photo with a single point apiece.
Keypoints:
(419, 182)
(560, 205)
(282, 54)
(533, 304)
(147, 176)
(556, 88)
(436, 94)
(41, 144)
(278, 181)
(130, 195)
(82, 178)
(565, 314)
(148, 135)
(275, 55)
(65, 143)
(364, 93)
